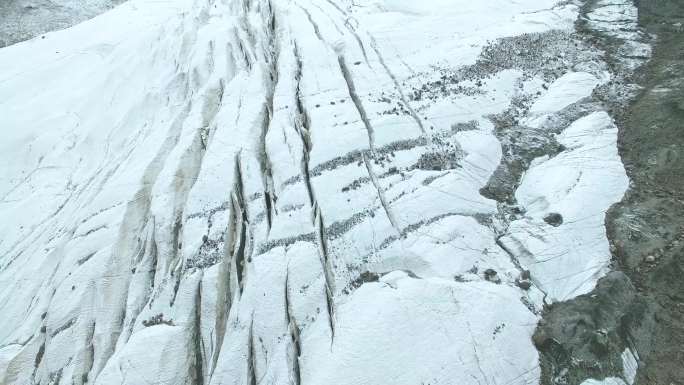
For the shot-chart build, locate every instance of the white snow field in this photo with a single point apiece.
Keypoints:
(289, 191)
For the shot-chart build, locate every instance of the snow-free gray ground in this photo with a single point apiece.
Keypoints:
(24, 19)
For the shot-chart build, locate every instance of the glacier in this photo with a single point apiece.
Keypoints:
(301, 192)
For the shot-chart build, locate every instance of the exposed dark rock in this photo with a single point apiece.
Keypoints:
(366, 276)
(649, 222)
(554, 219)
(585, 337)
(492, 276)
(523, 284)
(157, 320)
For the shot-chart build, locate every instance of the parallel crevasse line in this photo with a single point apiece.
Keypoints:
(381, 195)
(271, 56)
(327, 269)
(317, 31)
(138, 212)
(197, 371)
(251, 356)
(293, 329)
(371, 139)
(357, 101)
(302, 126)
(397, 86)
(239, 228)
(352, 30)
(224, 305)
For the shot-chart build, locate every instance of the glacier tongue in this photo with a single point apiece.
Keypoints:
(293, 192)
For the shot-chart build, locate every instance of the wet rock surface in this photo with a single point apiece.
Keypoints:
(585, 337)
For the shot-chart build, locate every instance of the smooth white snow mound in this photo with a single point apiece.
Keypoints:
(580, 184)
(605, 381)
(451, 328)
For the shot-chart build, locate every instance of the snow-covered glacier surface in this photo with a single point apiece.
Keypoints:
(299, 192)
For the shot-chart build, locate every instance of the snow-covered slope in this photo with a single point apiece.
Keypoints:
(299, 192)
